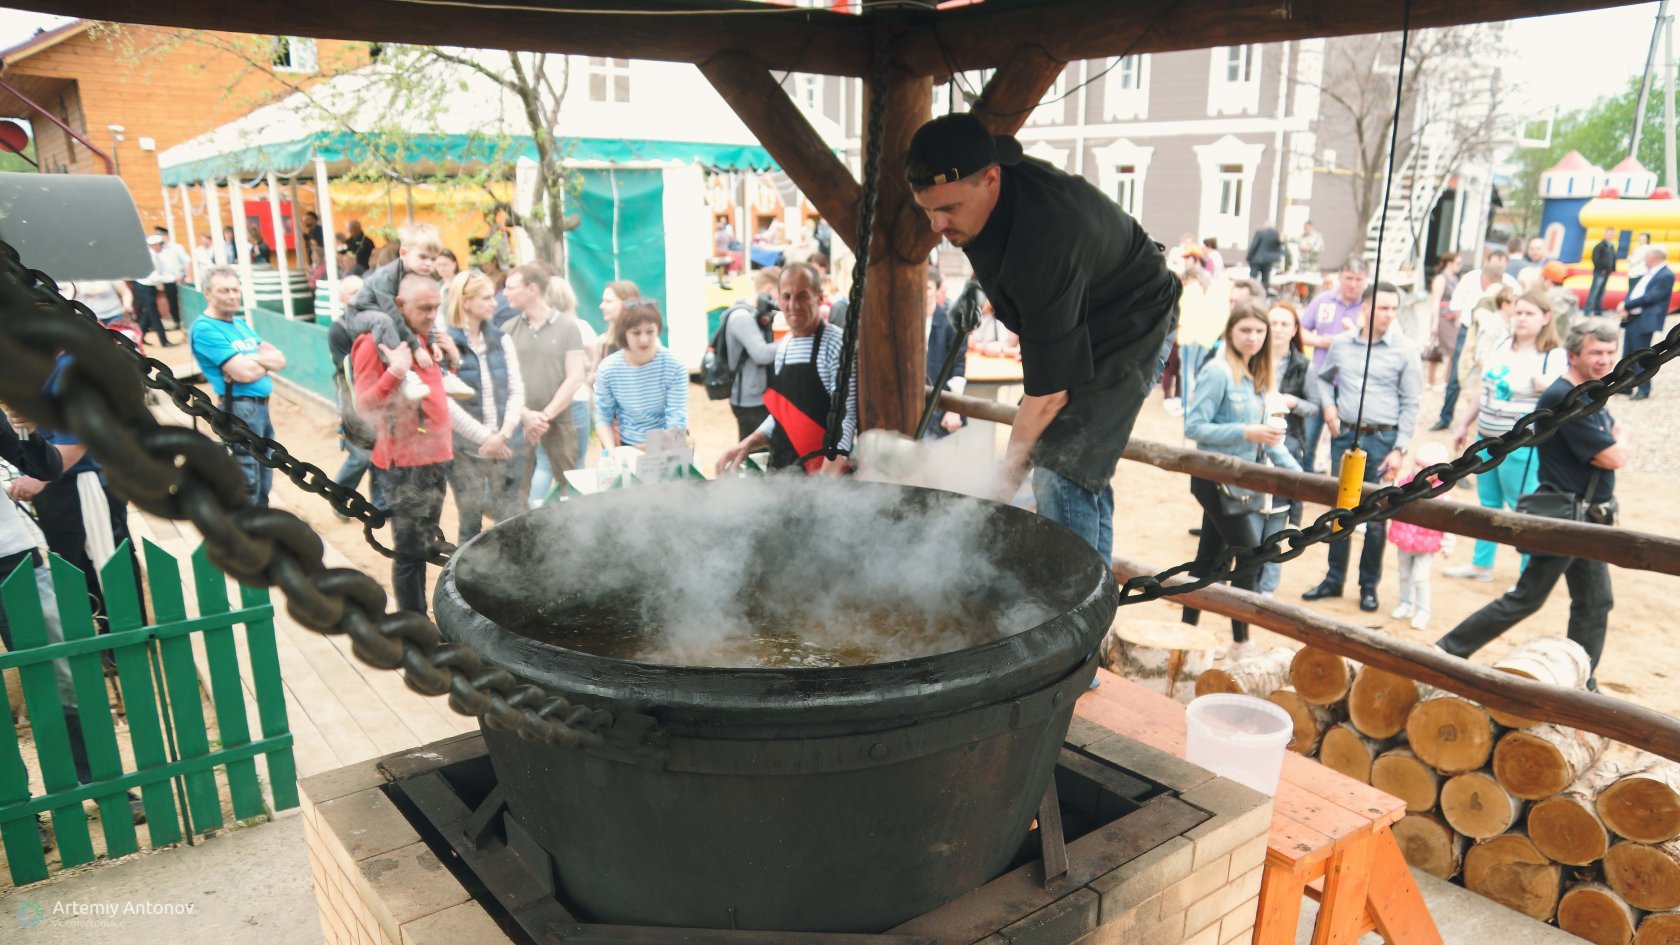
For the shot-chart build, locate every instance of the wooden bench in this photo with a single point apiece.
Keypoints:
(1330, 836)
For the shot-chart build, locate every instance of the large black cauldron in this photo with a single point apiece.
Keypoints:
(832, 799)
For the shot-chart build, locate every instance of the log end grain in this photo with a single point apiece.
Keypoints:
(1659, 928)
(1646, 875)
(1429, 844)
(1310, 721)
(1641, 808)
(1321, 677)
(1400, 773)
(1450, 734)
(1530, 767)
(1595, 913)
(1509, 870)
(1568, 831)
(1215, 682)
(1476, 806)
(1346, 751)
(1380, 701)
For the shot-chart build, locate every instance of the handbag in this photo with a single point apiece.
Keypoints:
(1240, 500)
(1551, 503)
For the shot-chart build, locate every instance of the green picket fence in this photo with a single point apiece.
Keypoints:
(169, 736)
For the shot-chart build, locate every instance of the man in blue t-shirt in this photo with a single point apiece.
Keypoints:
(1580, 460)
(237, 364)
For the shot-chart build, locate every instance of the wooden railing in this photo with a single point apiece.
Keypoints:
(1629, 549)
(1610, 717)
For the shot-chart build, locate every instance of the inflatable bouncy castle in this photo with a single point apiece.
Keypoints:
(1581, 200)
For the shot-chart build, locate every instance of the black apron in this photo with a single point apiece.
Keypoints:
(798, 400)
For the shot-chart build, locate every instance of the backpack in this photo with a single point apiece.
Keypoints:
(717, 373)
(355, 427)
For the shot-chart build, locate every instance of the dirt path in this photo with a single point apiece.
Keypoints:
(1640, 662)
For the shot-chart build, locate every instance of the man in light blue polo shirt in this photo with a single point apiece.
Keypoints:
(237, 364)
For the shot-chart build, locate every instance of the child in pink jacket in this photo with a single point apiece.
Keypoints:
(1416, 546)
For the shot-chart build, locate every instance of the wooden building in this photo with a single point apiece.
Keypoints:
(160, 85)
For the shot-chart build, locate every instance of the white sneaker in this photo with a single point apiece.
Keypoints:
(457, 388)
(1420, 620)
(1469, 572)
(413, 388)
(1402, 612)
(1241, 651)
(1174, 406)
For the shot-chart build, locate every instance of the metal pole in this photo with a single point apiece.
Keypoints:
(280, 245)
(1645, 83)
(218, 246)
(1668, 102)
(192, 236)
(323, 205)
(242, 242)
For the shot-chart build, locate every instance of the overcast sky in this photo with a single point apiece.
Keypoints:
(1567, 60)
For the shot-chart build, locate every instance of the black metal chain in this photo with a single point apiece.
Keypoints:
(869, 193)
(1535, 428)
(178, 473)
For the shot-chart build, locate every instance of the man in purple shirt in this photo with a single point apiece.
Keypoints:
(1327, 316)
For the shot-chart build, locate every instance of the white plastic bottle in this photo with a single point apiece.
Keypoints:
(606, 471)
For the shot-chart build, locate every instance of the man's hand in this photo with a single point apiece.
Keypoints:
(25, 488)
(834, 467)
(1390, 468)
(1332, 420)
(951, 422)
(398, 359)
(496, 447)
(535, 425)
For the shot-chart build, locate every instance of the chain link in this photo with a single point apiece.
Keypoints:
(1338, 524)
(177, 473)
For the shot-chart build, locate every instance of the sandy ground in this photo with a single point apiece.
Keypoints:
(1156, 510)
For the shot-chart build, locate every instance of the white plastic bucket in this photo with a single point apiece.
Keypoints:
(1238, 737)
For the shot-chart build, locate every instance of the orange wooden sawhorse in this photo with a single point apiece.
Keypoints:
(1330, 836)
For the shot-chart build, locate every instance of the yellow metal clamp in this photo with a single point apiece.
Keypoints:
(1350, 485)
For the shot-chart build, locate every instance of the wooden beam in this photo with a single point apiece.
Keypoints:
(1618, 546)
(1006, 101)
(892, 344)
(1612, 718)
(782, 38)
(765, 108)
(984, 35)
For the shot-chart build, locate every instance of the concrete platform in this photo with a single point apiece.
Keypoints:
(1463, 917)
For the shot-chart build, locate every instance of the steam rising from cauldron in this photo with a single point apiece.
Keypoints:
(704, 573)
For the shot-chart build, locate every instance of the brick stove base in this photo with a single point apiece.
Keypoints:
(377, 882)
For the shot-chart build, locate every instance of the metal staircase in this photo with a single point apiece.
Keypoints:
(1418, 185)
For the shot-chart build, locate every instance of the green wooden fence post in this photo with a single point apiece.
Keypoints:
(180, 675)
(271, 698)
(145, 727)
(17, 832)
(225, 686)
(93, 705)
(46, 715)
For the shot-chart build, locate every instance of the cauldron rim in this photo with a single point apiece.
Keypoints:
(1030, 658)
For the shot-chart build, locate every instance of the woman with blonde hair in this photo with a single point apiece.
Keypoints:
(1515, 372)
(484, 474)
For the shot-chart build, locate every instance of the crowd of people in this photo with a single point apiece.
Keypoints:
(1504, 339)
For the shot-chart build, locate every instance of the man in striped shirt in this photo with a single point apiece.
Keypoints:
(802, 385)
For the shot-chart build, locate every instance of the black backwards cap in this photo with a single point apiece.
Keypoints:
(955, 146)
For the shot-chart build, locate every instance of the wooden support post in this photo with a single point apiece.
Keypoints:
(892, 344)
(764, 107)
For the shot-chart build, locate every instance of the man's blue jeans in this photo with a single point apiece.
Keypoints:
(356, 462)
(1089, 514)
(1376, 447)
(258, 478)
(1450, 401)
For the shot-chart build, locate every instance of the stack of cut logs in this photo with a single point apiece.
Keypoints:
(1532, 815)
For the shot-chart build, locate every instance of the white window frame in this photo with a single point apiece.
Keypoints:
(1121, 154)
(809, 97)
(1123, 101)
(609, 69)
(1229, 151)
(1240, 96)
(300, 54)
(1049, 154)
(1049, 110)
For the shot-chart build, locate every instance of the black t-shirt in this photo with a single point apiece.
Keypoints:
(1070, 273)
(338, 343)
(1566, 458)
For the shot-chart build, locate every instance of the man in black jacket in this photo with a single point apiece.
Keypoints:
(1265, 250)
(1604, 265)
